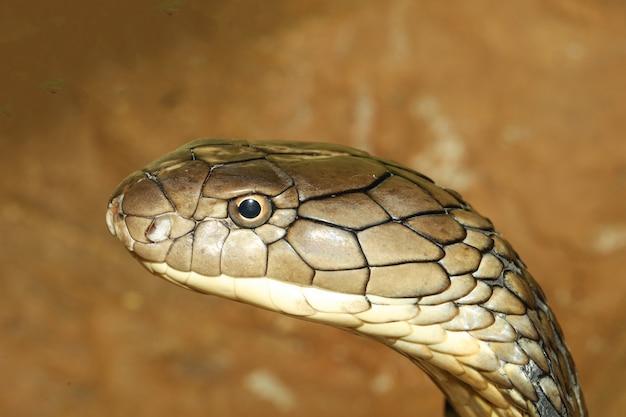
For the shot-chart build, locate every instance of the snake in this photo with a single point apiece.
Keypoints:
(334, 235)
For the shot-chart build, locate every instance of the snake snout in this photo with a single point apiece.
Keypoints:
(116, 224)
(112, 213)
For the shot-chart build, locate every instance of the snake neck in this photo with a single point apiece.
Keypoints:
(470, 399)
(523, 377)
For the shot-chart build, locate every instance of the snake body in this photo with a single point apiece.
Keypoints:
(334, 235)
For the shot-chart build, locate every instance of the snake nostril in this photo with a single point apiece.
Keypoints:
(159, 229)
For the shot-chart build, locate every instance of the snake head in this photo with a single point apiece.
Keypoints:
(312, 215)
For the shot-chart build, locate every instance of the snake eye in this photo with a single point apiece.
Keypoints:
(250, 210)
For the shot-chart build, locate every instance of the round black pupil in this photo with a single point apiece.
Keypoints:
(250, 208)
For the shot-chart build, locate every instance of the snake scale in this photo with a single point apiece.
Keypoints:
(333, 235)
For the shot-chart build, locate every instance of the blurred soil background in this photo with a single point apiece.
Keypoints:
(520, 106)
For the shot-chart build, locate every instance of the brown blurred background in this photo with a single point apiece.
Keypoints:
(520, 106)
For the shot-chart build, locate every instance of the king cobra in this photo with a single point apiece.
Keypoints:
(333, 235)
